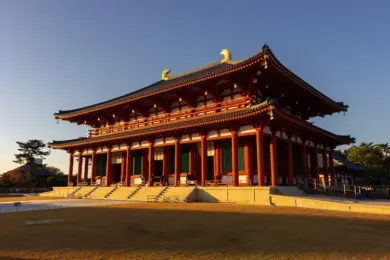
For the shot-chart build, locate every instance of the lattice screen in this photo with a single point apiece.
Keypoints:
(320, 161)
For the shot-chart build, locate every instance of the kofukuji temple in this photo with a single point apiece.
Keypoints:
(235, 123)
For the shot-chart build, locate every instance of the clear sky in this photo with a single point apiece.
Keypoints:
(67, 54)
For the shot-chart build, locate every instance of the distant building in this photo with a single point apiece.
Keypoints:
(29, 170)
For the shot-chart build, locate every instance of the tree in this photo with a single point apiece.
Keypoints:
(374, 157)
(30, 150)
(55, 170)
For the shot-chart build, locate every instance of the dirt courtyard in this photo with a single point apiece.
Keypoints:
(194, 231)
(26, 198)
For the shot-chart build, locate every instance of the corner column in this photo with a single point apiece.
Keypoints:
(247, 161)
(93, 168)
(151, 162)
(203, 155)
(217, 157)
(274, 168)
(234, 157)
(70, 172)
(109, 167)
(259, 156)
(80, 170)
(129, 165)
(325, 167)
(290, 163)
(85, 179)
(314, 162)
(331, 168)
(177, 161)
(165, 166)
(123, 168)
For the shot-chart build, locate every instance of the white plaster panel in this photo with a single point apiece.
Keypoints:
(195, 136)
(115, 147)
(267, 130)
(321, 146)
(169, 140)
(210, 148)
(294, 138)
(159, 141)
(212, 133)
(246, 129)
(185, 138)
(135, 145)
(242, 179)
(227, 179)
(122, 146)
(224, 132)
(183, 180)
(144, 143)
(328, 148)
(137, 180)
(278, 134)
(284, 135)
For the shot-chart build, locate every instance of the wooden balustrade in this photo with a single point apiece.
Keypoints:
(222, 107)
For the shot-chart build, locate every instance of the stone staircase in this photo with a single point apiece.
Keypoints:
(100, 192)
(112, 191)
(121, 193)
(147, 194)
(74, 193)
(83, 191)
(178, 194)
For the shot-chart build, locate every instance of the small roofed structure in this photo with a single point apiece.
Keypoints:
(28, 171)
(346, 172)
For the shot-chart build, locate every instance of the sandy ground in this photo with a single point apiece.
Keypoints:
(27, 198)
(194, 231)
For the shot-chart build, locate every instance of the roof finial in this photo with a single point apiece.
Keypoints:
(227, 56)
(164, 74)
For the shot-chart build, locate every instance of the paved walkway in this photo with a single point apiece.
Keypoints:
(378, 202)
(6, 207)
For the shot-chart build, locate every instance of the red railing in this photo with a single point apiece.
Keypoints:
(222, 107)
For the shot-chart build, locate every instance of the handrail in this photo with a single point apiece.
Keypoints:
(239, 103)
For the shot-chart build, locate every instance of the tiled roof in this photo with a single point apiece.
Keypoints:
(342, 160)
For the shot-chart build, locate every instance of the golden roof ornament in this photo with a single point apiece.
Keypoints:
(164, 74)
(227, 56)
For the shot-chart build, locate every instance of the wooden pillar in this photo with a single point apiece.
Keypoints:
(247, 161)
(70, 172)
(123, 168)
(177, 161)
(325, 167)
(165, 165)
(93, 168)
(203, 155)
(315, 162)
(80, 170)
(331, 168)
(217, 158)
(304, 160)
(151, 163)
(129, 165)
(234, 157)
(109, 167)
(259, 156)
(86, 169)
(290, 170)
(191, 160)
(274, 168)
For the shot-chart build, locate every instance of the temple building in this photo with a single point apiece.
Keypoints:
(235, 123)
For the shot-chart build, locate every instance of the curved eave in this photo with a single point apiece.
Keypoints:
(339, 106)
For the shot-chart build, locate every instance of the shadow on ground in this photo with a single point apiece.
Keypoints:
(205, 230)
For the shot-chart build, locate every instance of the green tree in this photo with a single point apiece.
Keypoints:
(55, 170)
(374, 157)
(30, 150)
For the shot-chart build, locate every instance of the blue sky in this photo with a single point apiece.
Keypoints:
(67, 54)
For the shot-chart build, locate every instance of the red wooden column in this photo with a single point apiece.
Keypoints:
(290, 163)
(191, 159)
(86, 169)
(217, 158)
(93, 168)
(315, 162)
(165, 165)
(234, 157)
(203, 155)
(304, 159)
(177, 160)
(259, 156)
(70, 173)
(325, 167)
(151, 162)
(247, 161)
(80, 169)
(274, 168)
(123, 168)
(129, 165)
(331, 168)
(109, 167)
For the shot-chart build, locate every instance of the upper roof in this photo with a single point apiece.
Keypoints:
(204, 73)
(35, 170)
